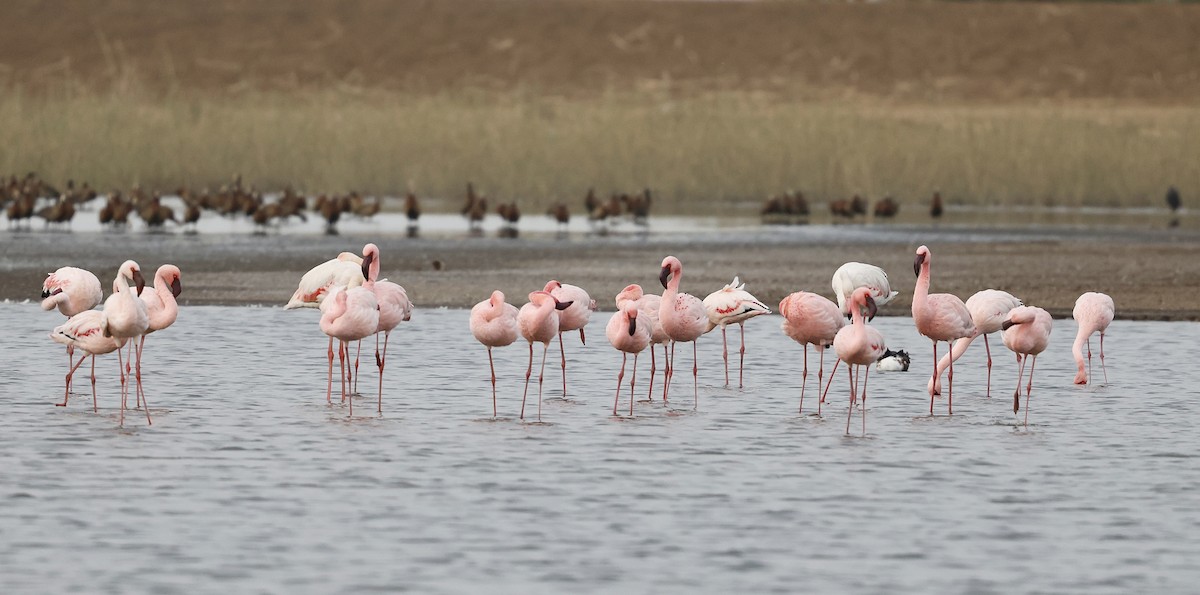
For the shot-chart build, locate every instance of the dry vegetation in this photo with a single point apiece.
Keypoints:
(540, 99)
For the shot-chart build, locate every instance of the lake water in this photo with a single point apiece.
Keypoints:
(249, 482)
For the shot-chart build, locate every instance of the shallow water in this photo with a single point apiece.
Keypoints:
(247, 481)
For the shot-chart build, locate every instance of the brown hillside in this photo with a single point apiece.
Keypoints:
(1145, 53)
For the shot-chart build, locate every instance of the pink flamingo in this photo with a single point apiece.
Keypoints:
(988, 310)
(346, 270)
(1094, 312)
(729, 305)
(810, 319)
(629, 331)
(538, 321)
(939, 316)
(1026, 333)
(853, 275)
(394, 308)
(648, 304)
(494, 323)
(575, 317)
(347, 315)
(72, 290)
(683, 319)
(126, 317)
(860, 345)
(162, 310)
(87, 330)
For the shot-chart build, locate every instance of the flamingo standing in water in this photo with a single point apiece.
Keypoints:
(72, 290)
(87, 330)
(1093, 312)
(538, 321)
(988, 310)
(1026, 333)
(629, 331)
(939, 316)
(648, 304)
(394, 308)
(162, 310)
(126, 317)
(344, 271)
(729, 305)
(575, 317)
(494, 323)
(853, 275)
(810, 319)
(683, 319)
(860, 345)
(347, 315)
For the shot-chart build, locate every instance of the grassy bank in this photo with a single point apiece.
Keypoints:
(716, 148)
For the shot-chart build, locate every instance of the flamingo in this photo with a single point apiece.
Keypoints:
(810, 319)
(87, 330)
(629, 331)
(939, 316)
(988, 309)
(394, 308)
(347, 315)
(72, 290)
(683, 319)
(126, 318)
(538, 321)
(853, 275)
(859, 344)
(573, 318)
(161, 308)
(345, 270)
(729, 305)
(1093, 312)
(494, 323)
(1026, 333)
(648, 304)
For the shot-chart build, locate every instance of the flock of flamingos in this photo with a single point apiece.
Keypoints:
(355, 304)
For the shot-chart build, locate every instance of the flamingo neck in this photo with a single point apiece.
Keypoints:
(1077, 348)
(374, 269)
(922, 288)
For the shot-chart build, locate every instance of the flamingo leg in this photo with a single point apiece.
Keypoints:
(989, 360)
(528, 372)
(121, 366)
(1102, 368)
(342, 367)
(866, 377)
(329, 383)
(1017, 393)
(850, 409)
(935, 364)
(632, 379)
(1029, 389)
(670, 371)
(541, 376)
(695, 378)
(382, 364)
(348, 396)
(829, 384)
(582, 338)
(493, 367)
(70, 358)
(354, 388)
(725, 355)
(653, 369)
(141, 394)
(95, 408)
(742, 356)
(950, 379)
(857, 377)
(804, 379)
(67, 381)
(620, 380)
(1089, 346)
(562, 350)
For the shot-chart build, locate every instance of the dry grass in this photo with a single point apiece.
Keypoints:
(710, 150)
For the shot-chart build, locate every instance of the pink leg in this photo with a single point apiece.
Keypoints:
(70, 357)
(350, 396)
(742, 356)
(829, 384)
(857, 376)
(935, 361)
(950, 379)
(342, 367)
(382, 364)
(354, 389)
(725, 355)
(620, 380)
(95, 408)
(329, 383)
(121, 366)
(866, 378)
(632, 379)
(695, 378)
(989, 376)
(804, 379)
(541, 376)
(1089, 346)
(653, 370)
(493, 367)
(563, 352)
(670, 371)
(1029, 389)
(1017, 393)
(528, 372)
(582, 339)
(1102, 368)
(141, 394)
(850, 409)
(67, 381)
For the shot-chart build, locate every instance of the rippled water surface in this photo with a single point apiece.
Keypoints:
(247, 481)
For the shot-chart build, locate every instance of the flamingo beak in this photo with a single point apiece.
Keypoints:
(562, 305)
(1007, 323)
(366, 266)
(917, 264)
(872, 309)
(176, 287)
(632, 325)
(139, 280)
(45, 293)
(662, 277)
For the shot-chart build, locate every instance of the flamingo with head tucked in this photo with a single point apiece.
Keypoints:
(87, 331)
(126, 317)
(939, 316)
(538, 321)
(1093, 312)
(810, 319)
(859, 344)
(494, 323)
(853, 275)
(394, 308)
(575, 317)
(347, 315)
(683, 319)
(71, 290)
(732, 304)
(161, 309)
(346, 271)
(648, 304)
(1026, 333)
(988, 310)
(629, 332)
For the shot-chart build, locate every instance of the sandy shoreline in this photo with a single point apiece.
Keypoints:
(1145, 271)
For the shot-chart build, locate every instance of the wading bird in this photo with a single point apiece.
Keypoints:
(1093, 312)
(574, 317)
(126, 318)
(648, 304)
(161, 310)
(629, 332)
(939, 316)
(538, 321)
(87, 331)
(72, 290)
(1026, 333)
(810, 319)
(988, 310)
(859, 344)
(683, 319)
(347, 315)
(494, 323)
(853, 275)
(728, 305)
(394, 308)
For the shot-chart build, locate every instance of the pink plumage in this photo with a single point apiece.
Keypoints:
(72, 290)
(161, 312)
(650, 305)
(86, 331)
(347, 315)
(494, 324)
(729, 305)
(126, 317)
(810, 319)
(1093, 312)
(683, 319)
(394, 308)
(538, 322)
(988, 309)
(859, 344)
(1026, 333)
(939, 316)
(628, 331)
(574, 317)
